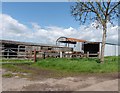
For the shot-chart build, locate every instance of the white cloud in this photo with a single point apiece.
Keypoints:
(8, 23)
(12, 29)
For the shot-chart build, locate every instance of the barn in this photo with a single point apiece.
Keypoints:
(91, 48)
(65, 47)
(12, 49)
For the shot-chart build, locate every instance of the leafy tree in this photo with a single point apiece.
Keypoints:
(102, 12)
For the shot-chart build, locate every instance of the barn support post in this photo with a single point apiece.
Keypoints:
(61, 54)
(34, 55)
(8, 53)
(25, 52)
(87, 54)
(43, 55)
(18, 51)
(68, 44)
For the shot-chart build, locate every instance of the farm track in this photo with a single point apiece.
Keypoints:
(40, 82)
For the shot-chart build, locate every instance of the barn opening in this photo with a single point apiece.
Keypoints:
(10, 50)
(92, 48)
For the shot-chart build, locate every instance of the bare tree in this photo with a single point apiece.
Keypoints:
(102, 12)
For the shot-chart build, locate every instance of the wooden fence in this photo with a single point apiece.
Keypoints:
(34, 55)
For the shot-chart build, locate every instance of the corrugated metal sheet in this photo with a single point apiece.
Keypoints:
(78, 46)
(110, 50)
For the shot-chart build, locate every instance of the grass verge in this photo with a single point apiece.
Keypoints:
(85, 65)
(62, 67)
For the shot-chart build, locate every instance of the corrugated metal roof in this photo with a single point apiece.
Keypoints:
(69, 40)
(27, 43)
(75, 40)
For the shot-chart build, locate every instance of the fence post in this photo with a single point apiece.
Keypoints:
(34, 55)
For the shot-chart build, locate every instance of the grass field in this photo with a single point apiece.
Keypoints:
(72, 65)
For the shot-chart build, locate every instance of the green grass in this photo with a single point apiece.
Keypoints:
(83, 65)
(14, 68)
(67, 65)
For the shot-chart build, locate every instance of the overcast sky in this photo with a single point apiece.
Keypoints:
(45, 22)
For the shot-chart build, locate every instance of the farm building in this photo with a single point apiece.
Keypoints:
(22, 49)
(72, 48)
(87, 47)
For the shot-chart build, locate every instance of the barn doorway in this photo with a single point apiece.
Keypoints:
(10, 49)
(92, 48)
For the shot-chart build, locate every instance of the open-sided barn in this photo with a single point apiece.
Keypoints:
(15, 48)
(72, 48)
(92, 48)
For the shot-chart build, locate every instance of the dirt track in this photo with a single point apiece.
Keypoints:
(110, 85)
(68, 84)
(77, 83)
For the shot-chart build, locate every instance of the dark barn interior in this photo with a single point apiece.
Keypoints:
(92, 48)
(11, 48)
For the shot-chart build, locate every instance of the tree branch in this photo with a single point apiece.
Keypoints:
(99, 5)
(114, 8)
(85, 17)
(108, 7)
(96, 12)
(104, 5)
(93, 10)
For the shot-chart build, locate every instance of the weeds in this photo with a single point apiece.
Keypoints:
(7, 75)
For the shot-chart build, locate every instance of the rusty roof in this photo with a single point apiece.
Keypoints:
(75, 40)
(69, 40)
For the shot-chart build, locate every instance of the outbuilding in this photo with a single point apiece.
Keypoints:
(93, 49)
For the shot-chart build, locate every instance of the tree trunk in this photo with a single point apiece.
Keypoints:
(103, 43)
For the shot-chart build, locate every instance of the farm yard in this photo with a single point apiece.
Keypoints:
(40, 67)
(43, 49)
(61, 74)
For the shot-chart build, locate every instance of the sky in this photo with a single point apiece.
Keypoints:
(43, 13)
(44, 22)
